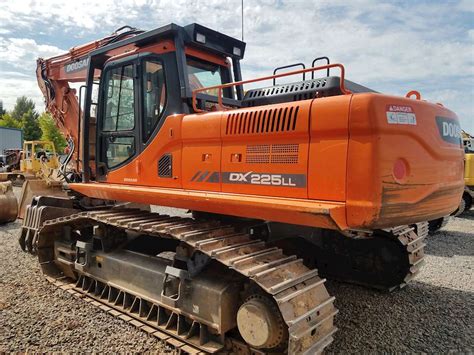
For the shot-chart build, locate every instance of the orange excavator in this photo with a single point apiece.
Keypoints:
(288, 183)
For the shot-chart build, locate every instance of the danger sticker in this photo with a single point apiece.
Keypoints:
(397, 114)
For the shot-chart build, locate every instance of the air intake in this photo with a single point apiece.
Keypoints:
(303, 90)
(272, 153)
(281, 119)
(165, 166)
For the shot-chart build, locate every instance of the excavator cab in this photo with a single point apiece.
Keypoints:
(149, 77)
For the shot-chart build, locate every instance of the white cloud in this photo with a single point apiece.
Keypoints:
(21, 53)
(389, 46)
(19, 56)
(470, 33)
(466, 5)
(14, 87)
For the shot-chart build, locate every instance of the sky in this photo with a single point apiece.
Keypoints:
(390, 46)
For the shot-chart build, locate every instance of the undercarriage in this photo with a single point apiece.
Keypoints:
(213, 285)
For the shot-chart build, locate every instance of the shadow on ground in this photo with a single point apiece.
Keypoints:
(381, 322)
(468, 215)
(449, 244)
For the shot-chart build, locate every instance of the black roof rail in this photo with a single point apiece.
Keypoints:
(318, 59)
(286, 67)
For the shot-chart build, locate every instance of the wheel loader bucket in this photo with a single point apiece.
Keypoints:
(4, 177)
(8, 203)
(34, 188)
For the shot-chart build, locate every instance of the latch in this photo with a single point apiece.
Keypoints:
(82, 255)
(173, 285)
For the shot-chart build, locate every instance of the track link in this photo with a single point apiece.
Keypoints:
(414, 244)
(77, 291)
(299, 293)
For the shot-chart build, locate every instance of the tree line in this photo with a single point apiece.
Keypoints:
(35, 126)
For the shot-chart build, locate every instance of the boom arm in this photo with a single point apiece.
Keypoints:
(54, 76)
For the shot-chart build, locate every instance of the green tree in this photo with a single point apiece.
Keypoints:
(2, 110)
(7, 120)
(51, 132)
(22, 106)
(30, 125)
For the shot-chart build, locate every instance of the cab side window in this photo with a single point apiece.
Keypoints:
(154, 96)
(120, 110)
(119, 116)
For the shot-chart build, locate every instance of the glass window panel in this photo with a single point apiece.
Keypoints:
(119, 149)
(203, 74)
(119, 109)
(154, 94)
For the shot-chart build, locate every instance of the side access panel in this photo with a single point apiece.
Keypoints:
(159, 164)
(327, 167)
(265, 150)
(201, 137)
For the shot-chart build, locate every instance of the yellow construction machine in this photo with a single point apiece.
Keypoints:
(468, 195)
(35, 157)
(39, 174)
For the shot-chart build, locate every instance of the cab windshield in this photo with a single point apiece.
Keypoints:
(203, 74)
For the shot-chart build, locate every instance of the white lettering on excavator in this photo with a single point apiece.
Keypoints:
(397, 114)
(78, 65)
(261, 179)
(451, 130)
(239, 176)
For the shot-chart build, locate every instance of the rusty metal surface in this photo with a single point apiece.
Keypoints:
(33, 188)
(8, 203)
(180, 346)
(299, 294)
(414, 245)
(35, 215)
(435, 205)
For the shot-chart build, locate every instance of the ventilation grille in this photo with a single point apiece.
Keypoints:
(273, 154)
(287, 88)
(285, 159)
(262, 121)
(258, 159)
(165, 166)
(258, 149)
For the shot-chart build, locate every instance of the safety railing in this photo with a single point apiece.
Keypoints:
(228, 85)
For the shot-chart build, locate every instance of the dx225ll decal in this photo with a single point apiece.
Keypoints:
(252, 178)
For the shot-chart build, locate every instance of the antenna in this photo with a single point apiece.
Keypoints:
(242, 20)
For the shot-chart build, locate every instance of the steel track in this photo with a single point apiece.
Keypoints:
(299, 293)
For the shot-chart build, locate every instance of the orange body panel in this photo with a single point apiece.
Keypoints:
(433, 183)
(332, 162)
(201, 151)
(143, 170)
(258, 140)
(329, 215)
(328, 148)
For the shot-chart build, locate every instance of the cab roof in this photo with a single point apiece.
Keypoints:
(195, 34)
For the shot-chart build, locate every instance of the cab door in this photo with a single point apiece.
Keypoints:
(139, 133)
(118, 130)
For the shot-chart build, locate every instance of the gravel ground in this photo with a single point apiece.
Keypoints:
(434, 314)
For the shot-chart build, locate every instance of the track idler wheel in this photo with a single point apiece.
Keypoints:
(8, 203)
(260, 323)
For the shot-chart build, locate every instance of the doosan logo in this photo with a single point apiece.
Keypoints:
(77, 65)
(449, 129)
